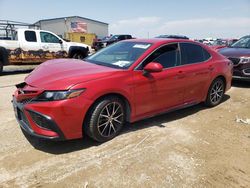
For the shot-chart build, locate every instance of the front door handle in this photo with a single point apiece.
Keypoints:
(180, 75)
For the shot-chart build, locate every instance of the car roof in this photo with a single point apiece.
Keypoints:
(159, 40)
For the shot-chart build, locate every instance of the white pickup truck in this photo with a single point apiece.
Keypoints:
(36, 46)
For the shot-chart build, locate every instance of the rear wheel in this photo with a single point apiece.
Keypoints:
(215, 92)
(106, 119)
(1, 67)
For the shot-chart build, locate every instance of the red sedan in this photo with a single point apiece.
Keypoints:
(125, 82)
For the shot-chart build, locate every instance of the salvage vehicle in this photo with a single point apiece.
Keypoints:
(125, 82)
(27, 46)
(239, 54)
(97, 45)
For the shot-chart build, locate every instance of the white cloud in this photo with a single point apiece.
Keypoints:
(194, 28)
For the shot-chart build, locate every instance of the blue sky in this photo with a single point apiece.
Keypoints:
(142, 18)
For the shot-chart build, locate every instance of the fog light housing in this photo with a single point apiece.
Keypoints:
(41, 121)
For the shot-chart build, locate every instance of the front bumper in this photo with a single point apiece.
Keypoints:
(241, 72)
(26, 122)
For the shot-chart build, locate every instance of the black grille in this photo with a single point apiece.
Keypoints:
(21, 116)
(25, 101)
(234, 60)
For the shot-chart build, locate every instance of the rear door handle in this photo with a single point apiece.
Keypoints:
(210, 68)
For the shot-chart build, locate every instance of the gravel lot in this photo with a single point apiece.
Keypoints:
(194, 147)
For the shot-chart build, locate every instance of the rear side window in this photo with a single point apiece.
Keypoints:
(30, 36)
(192, 53)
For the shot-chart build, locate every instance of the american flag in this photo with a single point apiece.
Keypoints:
(78, 27)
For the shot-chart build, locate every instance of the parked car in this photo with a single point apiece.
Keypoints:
(209, 41)
(173, 36)
(239, 54)
(97, 45)
(36, 46)
(222, 43)
(125, 82)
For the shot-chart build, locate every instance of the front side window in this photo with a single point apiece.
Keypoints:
(119, 55)
(192, 53)
(168, 56)
(48, 38)
(30, 36)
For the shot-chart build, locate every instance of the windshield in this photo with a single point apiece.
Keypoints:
(114, 37)
(244, 42)
(120, 55)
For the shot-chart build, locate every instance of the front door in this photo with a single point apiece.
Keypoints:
(157, 92)
(52, 46)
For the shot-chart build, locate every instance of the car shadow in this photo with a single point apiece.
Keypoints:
(241, 83)
(62, 147)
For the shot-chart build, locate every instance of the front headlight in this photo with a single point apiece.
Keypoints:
(244, 60)
(58, 95)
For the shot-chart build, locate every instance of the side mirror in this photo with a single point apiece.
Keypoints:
(153, 67)
(60, 41)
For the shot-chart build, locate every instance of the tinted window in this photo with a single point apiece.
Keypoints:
(48, 38)
(206, 55)
(30, 36)
(167, 56)
(192, 53)
(122, 37)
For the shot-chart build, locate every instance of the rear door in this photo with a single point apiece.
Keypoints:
(196, 70)
(29, 47)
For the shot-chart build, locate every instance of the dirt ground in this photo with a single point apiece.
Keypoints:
(193, 147)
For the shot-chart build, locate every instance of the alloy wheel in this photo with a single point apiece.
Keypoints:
(217, 92)
(110, 119)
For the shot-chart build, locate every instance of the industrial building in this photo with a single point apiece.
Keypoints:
(64, 25)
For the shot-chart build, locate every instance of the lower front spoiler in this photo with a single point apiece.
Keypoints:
(30, 132)
(25, 126)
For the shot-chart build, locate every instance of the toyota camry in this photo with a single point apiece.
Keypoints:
(128, 81)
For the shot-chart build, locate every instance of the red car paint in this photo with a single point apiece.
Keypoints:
(179, 87)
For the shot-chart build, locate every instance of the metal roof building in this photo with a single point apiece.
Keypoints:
(63, 25)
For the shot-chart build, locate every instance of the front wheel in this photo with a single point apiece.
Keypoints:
(79, 55)
(215, 93)
(105, 119)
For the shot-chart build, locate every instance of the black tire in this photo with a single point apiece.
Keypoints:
(215, 93)
(79, 55)
(105, 119)
(1, 67)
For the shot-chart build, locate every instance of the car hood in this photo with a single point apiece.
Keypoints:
(62, 74)
(235, 52)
